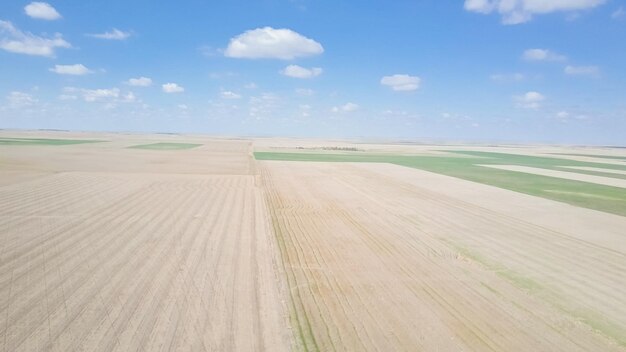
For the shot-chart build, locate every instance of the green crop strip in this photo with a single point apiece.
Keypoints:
(44, 141)
(166, 146)
(583, 194)
(614, 157)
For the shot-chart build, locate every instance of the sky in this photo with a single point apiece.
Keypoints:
(521, 71)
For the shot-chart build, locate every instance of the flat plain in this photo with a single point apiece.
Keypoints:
(217, 244)
(105, 248)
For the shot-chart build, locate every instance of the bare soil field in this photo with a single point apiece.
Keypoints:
(108, 247)
(380, 257)
(114, 249)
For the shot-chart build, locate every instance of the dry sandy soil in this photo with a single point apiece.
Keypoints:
(111, 249)
(381, 257)
(104, 248)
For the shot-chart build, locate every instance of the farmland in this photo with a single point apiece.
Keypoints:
(167, 242)
(107, 248)
(166, 146)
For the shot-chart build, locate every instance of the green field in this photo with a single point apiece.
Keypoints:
(166, 146)
(588, 195)
(44, 141)
(596, 156)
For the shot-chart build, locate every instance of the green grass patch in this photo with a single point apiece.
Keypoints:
(545, 163)
(584, 194)
(614, 157)
(166, 146)
(44, 141)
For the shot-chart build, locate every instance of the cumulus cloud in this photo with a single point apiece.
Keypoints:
(481, 6)
(530, 100)
(108, 95)
(75, 70)
(270, 43)
(15, 41)
(348, 107)
(589, 71)
(296, 71)
(17, 100)
(114, 34)
(401, 82)
(172, 88)
(92, 95)
(542, 55)
(229, 95)
(129, 97)
(520, 11)
(140, 82)
(41, 10)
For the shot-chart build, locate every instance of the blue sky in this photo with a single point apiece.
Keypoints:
(474, 70)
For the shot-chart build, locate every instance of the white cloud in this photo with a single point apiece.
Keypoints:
(172, 88)
(348, 107)
(106, 95)
(520, 11)
(75, 70)
(229, 95)
(264, 106)
(590, 71)
(296, 71)
(250, 85)
(562, 115)
(270, 43)
(16, 41)
(140, 82)
(401, 82)
(619, 13)
(18, 100)
(542, 55)
(129, 97)
(114, 34)
(530, 100)
(91, 95)
(41, 10)
(183, 106)
(508, 77)
(480, 6)
(565, 116)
